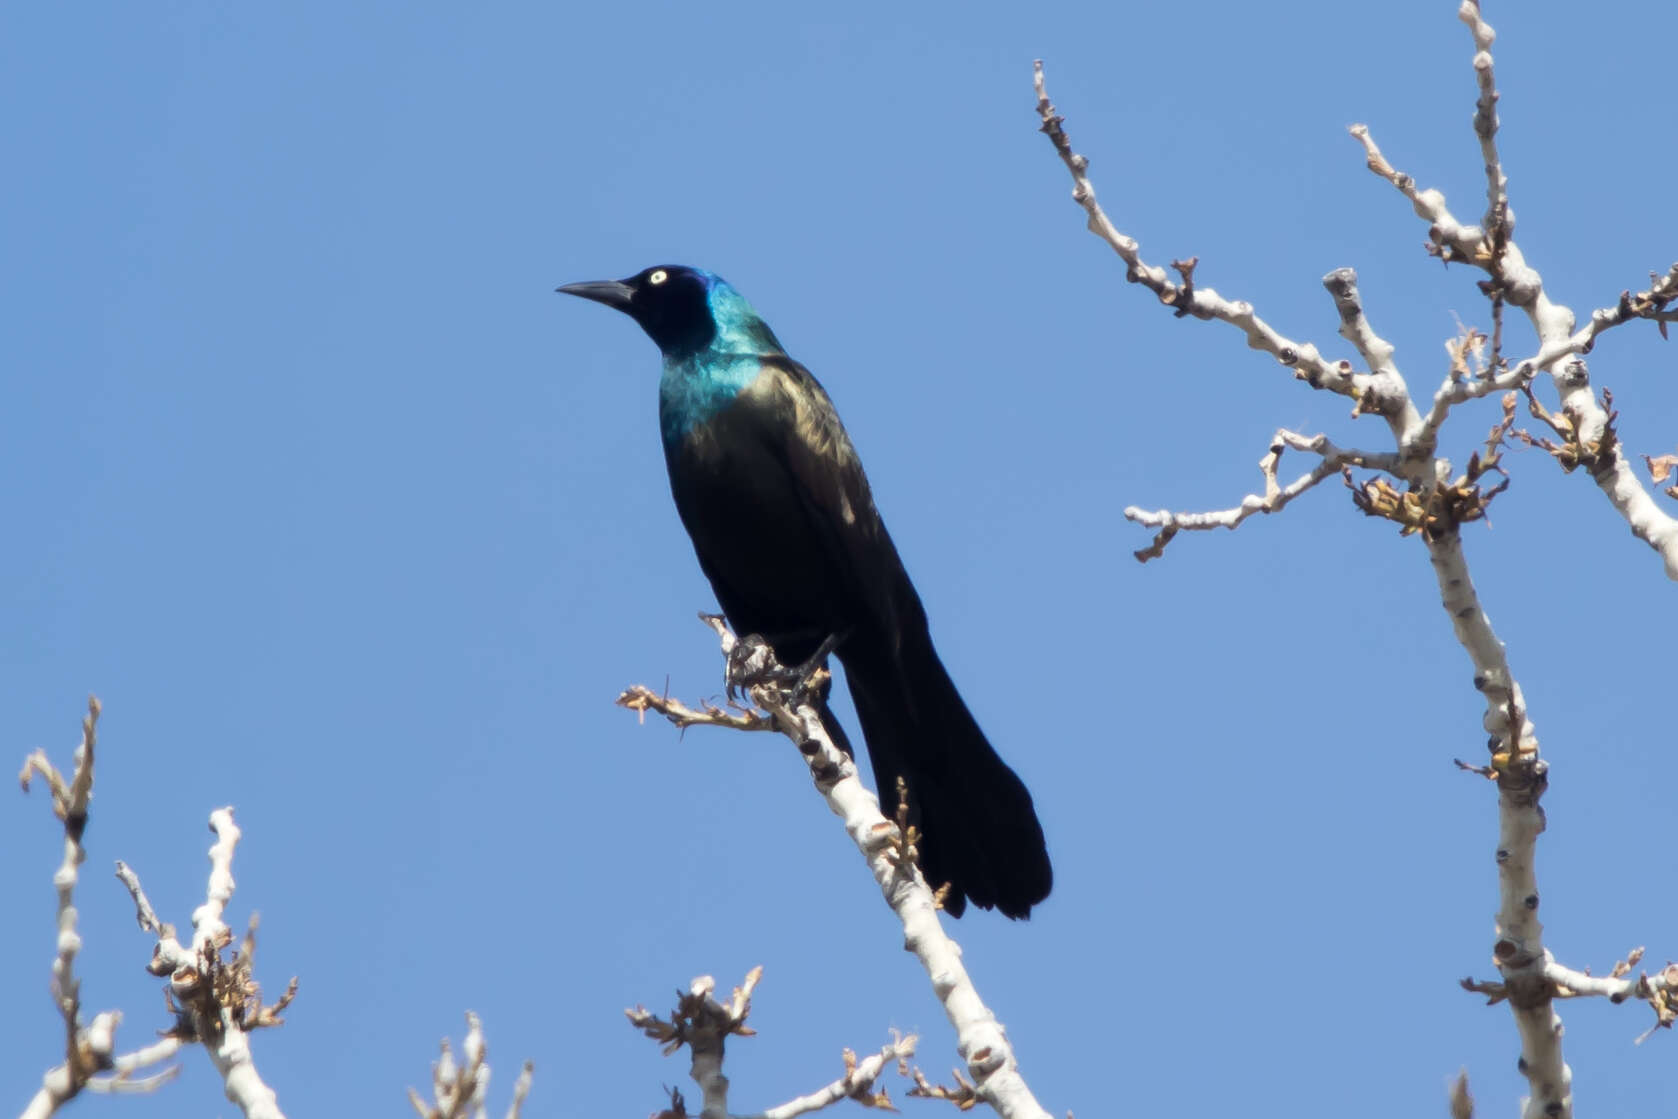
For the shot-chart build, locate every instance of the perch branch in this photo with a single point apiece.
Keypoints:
(979, 1036)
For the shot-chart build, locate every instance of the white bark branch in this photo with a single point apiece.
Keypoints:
(461, 1090)
(128, 1064)
(1185, 298)
(1275, 497)
(857, 1083)
(705, 1045)
(88, 1049)
(1385, 394)
(703, 1024)
(1435, 507)
(1642, 305)
(1485, 118)
(1660, 991)
(226, 1039)
(980, 1039)
(1493, 248)
(219, 1000)
(1522, 777)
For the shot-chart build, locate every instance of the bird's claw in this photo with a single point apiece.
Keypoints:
(752, 663)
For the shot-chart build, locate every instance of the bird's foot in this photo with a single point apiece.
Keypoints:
(752, 663)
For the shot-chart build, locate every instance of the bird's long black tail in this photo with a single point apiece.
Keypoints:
(980, 832)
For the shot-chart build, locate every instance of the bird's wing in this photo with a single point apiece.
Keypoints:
(803, 432)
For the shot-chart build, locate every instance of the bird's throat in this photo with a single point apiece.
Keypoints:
(694, 388)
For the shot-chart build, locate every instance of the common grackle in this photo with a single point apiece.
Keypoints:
(781, 515)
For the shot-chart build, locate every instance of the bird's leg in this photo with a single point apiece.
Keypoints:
(807, 673)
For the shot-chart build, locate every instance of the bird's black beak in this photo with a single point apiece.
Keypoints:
(613, 293)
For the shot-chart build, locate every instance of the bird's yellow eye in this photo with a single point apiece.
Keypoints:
(658, 277)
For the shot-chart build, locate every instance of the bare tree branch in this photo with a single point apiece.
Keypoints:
(88, 1049)
(1275, 497)
(890, 854)
(212, 987)
(217, 999)
(461, 1090)
(1185, 298)
(1434, 505)
(857, 1083)
(1493, 248)
(703, 1024)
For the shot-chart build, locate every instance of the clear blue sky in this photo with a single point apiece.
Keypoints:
(354, 525)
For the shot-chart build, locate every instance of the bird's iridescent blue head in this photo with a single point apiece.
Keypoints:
(685, 310)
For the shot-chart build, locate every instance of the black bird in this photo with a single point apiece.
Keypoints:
(780, 513)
